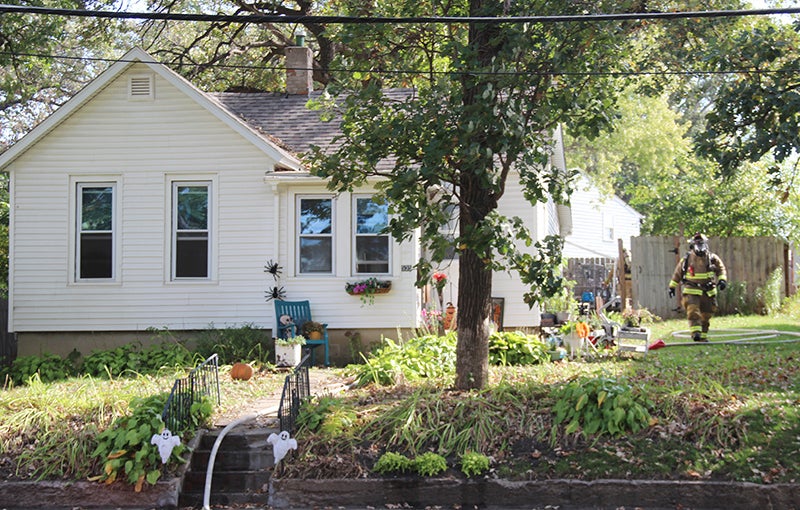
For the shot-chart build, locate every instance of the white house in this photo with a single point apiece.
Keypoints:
(144, 202)
(598, 222)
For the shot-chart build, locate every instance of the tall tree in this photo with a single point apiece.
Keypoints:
(756, 111)
(45, 60)
(648, 160)
(485, 107)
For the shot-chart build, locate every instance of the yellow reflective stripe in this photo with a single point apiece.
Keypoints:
(673, 284)
(692, 329)
(712, 292)
(722, 276)
(693, 292)
(700, 276)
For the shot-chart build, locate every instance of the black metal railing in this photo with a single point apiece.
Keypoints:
(296, 388)
(202, 381)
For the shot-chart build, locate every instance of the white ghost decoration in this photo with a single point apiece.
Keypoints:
(281, 444)
(166, 442)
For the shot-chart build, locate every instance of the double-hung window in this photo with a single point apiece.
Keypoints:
(315, 235)
(371, 242)
(95, 243)
(191, 229)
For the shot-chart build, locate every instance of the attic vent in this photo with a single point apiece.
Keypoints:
(140, 87)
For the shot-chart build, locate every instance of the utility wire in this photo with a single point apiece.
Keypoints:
(280, 18)
(689, 72)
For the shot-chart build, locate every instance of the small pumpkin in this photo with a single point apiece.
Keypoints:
(241, 372)
(582, 329)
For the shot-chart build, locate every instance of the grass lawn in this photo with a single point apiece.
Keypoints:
(715, 412)
(47, 431)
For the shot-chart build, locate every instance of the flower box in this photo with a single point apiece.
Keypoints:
(367, 289)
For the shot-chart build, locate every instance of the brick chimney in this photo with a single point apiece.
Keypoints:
(299, 69)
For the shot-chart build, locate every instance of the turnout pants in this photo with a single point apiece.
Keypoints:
(699, 310)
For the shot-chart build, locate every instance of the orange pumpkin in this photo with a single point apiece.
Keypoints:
(241, 372)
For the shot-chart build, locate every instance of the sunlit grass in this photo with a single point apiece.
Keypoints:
(720, 412)
(723, 412)
(48, 430)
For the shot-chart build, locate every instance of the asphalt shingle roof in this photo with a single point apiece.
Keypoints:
(286, 120)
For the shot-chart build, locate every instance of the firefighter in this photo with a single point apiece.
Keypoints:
(702, 274)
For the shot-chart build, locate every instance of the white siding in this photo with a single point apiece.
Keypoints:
(591, 213)
(143, 144)
(504, 285)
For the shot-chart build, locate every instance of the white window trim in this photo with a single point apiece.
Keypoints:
(608, 227)
(296, 220)
(172, 181)
(354, 236)
(76, 183)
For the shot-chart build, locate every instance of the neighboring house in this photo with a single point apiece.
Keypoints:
(146, 203)
(598, 222)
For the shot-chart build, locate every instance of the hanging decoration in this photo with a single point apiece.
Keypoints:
(276, 293)
(274, 269)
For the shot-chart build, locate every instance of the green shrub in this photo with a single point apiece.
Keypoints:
(236, 343)
(391, 462)
(430, 464)
(47, 367)
(736, 299)
(125, 449)
(771, 292)
(473, 464)
(169, 355)
(115, 362)
(326, 415)
(419, 358)
(601, 405)
(516, 348)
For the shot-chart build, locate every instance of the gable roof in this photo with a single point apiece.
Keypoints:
(261, 140)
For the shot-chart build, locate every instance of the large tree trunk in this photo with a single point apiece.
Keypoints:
(474, 305)
(476, 201)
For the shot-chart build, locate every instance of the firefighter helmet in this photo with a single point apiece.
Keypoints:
(699, 243)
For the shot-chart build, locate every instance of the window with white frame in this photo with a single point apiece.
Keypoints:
(95, 219)
(371, 243)
(191, 229)
(315, 234)
(608, 227)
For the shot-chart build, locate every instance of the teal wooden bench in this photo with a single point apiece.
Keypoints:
(299, 312)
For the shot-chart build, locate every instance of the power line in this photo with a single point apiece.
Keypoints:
(688, 72)
(280, 18)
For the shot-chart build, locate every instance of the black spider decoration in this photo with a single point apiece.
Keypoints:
(276, 293)
(273, 268)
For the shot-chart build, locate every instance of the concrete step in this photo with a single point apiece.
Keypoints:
(235, 460)
(242, 469)
(195, 500)
(238, 439)
(227, 481)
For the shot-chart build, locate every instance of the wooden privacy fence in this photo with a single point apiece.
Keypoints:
(750, 260)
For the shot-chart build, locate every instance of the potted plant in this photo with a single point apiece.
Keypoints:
(313, 330)
(563, 304)
(289, 351)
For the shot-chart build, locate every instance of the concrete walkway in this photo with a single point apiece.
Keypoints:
(265, 409)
